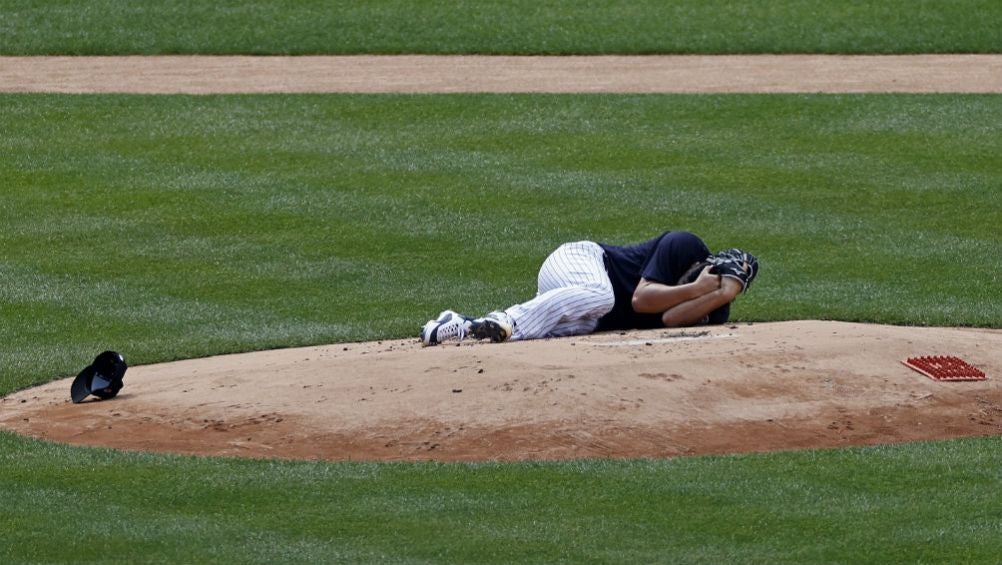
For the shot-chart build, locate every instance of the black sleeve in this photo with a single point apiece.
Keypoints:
(719, 316)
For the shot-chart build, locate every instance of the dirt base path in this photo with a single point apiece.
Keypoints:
(734, 388)
(423, 73)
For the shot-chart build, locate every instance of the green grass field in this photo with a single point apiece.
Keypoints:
(103, 27)
(171, 226)
(930, 503)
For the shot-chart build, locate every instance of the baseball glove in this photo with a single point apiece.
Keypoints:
(736, 264)
(733, 263)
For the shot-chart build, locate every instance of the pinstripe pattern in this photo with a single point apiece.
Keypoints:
(574, 291)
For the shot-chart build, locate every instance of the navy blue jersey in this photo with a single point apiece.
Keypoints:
(663, 259)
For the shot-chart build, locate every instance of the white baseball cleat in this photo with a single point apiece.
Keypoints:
(448, 325)
(496, 326)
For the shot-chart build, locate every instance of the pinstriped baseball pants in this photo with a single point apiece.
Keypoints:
(573, 292)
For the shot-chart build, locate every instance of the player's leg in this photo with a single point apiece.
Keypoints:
(574, 292)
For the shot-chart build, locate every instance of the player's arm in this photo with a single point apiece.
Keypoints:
(692, 311)
(653, 297)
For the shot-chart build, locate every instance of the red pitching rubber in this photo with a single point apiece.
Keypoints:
(945, 368)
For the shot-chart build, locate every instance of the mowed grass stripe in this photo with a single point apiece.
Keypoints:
(287, 27)
(928, 503)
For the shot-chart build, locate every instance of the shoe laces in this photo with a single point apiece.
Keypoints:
(454, 328)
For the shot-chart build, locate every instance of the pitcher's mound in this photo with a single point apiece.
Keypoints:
(733, 388)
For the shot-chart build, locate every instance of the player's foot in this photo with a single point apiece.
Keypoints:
(496, 326)
(448, 325)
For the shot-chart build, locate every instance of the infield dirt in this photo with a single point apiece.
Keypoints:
(429, 73)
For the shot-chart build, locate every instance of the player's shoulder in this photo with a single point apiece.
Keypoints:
(681, 238)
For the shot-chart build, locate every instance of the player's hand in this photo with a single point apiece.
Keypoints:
(707, 281)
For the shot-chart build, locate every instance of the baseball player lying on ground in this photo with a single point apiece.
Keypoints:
(669, 281)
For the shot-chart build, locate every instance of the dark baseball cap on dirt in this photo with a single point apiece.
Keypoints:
(102, 378)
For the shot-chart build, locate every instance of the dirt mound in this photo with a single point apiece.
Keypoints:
(734, 388)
